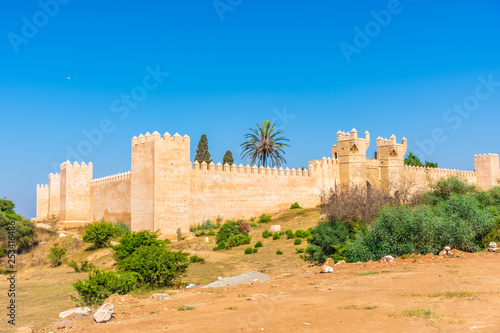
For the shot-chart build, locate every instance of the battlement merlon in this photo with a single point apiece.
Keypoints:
(157, 137)
(349, 144)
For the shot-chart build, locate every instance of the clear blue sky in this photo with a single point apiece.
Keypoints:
(227, 74)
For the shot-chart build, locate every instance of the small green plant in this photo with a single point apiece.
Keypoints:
(299, 233)
(279, 252)
(102, 284)
(258, 244)
(295, 205)
(289, 234)
(297, 241)
(121, 228)
(420, 313)
(195, 259)
(366, 273)
(276, 236)
(255, 250)
(179, 234)
(220, 246)
(56, 255)
(238, 240)
(248, 250)
(265, 218)
(300, 250)
(133, 240)
(99, 234)
(85, 266)
(267, 234)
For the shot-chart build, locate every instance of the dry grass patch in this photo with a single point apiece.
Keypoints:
(421, 313)
(447, 294)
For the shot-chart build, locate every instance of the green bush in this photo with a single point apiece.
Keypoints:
(258, 244)
(248, 250)
(444, 188)
(279, 252)
(265, 218)
(227, 230)
(295, 205)
(459, 221)
(267, 234)
(131, 241)
(289, 234)
(297, 241)
(301, 233)
(85, 266)
(157, 267)
(300, 250)
(56, 255)
(237, 240)
(102, 284)
(276, 236)
(195, 259)
(220, 246)
(255, 250)
(323, 239)
(24, 229)
(99, 234)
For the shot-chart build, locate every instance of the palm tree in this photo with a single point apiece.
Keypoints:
(264, 146)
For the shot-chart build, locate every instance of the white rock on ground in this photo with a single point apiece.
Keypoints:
(160, 297)
(104, 313)
(387, 259)
(84, 310)
(326, 269)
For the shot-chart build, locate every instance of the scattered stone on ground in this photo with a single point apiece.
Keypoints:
(275, 228)
(387, 259)
(326, 269)
(114, 243)
(341, 262)
(160, 296)
(24, 330)
(83, 310)
(238, 279)
(492, 247)
(446, 252)
(62, 234)
(104, 313)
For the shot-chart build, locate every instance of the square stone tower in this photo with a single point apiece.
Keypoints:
(351, 153)
(392, 160)
(488, 170)
(160, 183)
(75, 191)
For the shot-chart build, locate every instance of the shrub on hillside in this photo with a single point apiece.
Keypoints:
(134, 240)
(220, 246)
(276, 236)
(444, 188)
(295, 205)
(297, 241)
(85, 266)
(227, 230)
(237, 240)
(459, 221)
(248, 250)
(56, 255)
(289, 234)
(300, 250)
(279, 252)
(157, 267)
(267, 234)
(195, 259)
(258, 244)
(99, 234)
(121, 228)
(265, 218)
(299, 233)
(24, 229)
(324, 237)
(102, 284)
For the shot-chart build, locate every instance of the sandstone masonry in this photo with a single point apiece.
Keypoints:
(165, 191)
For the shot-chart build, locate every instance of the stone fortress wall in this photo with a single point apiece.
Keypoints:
(164, 190)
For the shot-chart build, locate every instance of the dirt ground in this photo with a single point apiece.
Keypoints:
(419, 294)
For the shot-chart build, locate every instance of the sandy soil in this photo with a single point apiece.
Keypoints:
(420, 294)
